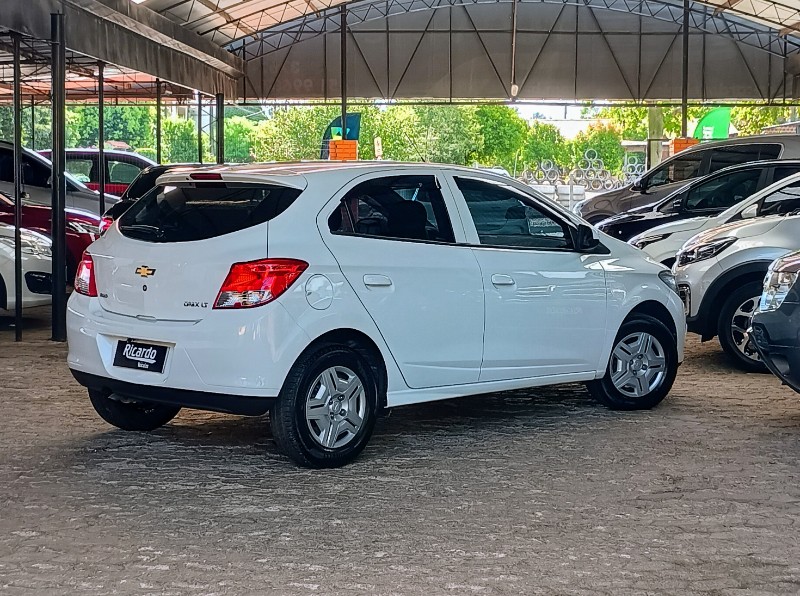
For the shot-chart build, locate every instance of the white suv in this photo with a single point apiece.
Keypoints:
(324, 293)
(663, 242)
(720, 275)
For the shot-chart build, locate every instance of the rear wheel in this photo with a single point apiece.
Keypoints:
(130, 414)
(734, 321)
(325, 413)
(642, 366)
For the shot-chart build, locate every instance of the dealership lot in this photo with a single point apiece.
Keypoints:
(537, 491)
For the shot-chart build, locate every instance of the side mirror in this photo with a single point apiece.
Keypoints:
(584, 238)
(640, 185)
(750, 212)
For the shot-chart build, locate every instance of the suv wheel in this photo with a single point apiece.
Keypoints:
(642, 366)
(733, 324)
(130, 414)
(325, 413)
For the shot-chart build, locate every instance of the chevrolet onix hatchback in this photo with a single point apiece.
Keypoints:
(323, 293)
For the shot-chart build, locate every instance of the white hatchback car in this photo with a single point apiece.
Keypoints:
(325, 292)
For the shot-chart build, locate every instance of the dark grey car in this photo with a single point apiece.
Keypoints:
(674, 172)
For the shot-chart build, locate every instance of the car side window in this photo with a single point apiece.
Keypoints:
(723, 191)
(35, 173)
(394, 207)
(505, 217)
(120, 172)
(82, 169)
(781, 202)
(677, 170)
(722, 157)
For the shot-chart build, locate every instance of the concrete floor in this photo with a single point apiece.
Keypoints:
(533, 492)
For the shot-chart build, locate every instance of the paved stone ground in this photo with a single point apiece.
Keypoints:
(533, 492)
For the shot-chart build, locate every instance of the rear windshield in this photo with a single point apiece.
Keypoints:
(195, 212)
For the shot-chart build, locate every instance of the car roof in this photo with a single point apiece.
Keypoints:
(747, 140)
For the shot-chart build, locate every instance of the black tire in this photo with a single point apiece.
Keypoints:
(290, 427)
(130, 415)
(748, 293)
(604, 391)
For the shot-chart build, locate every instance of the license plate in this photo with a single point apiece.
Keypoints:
(131, 353)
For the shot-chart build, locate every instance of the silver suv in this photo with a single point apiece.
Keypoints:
(720, 275)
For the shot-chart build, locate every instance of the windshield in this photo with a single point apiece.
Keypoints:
(190, 212)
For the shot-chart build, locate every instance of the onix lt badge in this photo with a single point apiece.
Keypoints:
(145, 271)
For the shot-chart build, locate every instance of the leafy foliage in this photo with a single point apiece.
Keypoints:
(504, 134)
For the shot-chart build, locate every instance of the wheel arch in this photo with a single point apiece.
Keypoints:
(3, 294)
(364, 345)
(705, 324)
(656, 310)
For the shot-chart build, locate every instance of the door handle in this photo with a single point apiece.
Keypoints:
(502, 280)
(377, 281)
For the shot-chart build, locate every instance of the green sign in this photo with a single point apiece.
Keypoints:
(714, 125)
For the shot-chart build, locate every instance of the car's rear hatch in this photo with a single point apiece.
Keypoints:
(170, 252)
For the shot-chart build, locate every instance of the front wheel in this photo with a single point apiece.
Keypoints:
(129, 414)
(325, 413)
(642, 366)
(733, 327)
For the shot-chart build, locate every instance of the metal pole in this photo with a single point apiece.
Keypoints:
(685, 70)
(33, 124)
(101, 135)
(220, 128)
(343, 56)
(514, 89)
(58, 185)
(18, 280)
(158, 120)
(199, 128)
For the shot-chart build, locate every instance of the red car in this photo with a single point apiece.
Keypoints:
(121, 167)
(83, 227)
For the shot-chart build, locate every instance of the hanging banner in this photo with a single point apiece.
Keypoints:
(714, 125)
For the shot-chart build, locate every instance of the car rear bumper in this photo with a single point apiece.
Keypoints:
(200, 400)
(231, 354)
(775, 335)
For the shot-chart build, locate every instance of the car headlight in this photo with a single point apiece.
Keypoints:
(642, 241)
(776, 287)
(31, 245)
(84, 228)
(669, 280)
(701, 252)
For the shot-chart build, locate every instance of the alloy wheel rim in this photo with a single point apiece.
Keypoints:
(638, 365)
(335, 407)
(740, 323)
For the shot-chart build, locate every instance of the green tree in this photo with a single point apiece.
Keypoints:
(179, 140)
(605, 140)
(544, 141)
(750, 120)
(133, 125)
(239, 133)
(504, 134)
(448, 134)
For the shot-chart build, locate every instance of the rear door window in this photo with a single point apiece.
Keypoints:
(82, 168)
(722, 157)
(190, 212)
(723, 191)
(120, 172)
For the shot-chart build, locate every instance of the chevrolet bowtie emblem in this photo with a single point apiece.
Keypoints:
(145, 271)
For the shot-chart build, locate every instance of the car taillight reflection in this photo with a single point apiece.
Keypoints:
(105, 223)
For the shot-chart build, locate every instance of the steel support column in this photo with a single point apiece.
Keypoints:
(685, 70)
(33, 124)
(343, 57)
(220, 128)
(101, 135)
(514, 91)
(18, 281)
(199, 128)
(158, 120)
(58, 184)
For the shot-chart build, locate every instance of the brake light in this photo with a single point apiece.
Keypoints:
(257, 282)
(205, 176)
(84, 278)
(105, 223)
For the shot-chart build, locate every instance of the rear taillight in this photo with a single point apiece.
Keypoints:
(105, 223)
(257, 282)
(84, 278)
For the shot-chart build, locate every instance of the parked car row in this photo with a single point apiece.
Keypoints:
(726, 235)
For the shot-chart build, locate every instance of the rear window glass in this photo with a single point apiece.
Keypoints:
(187, 213)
